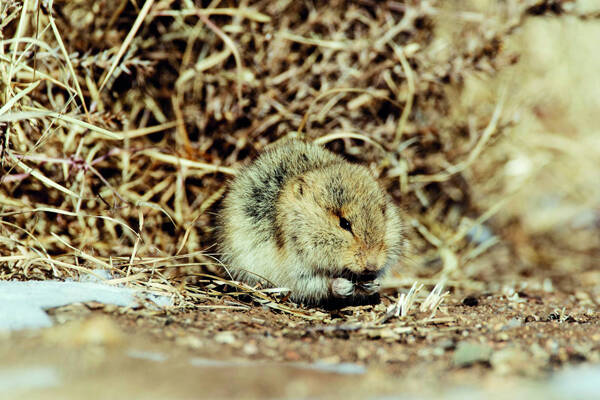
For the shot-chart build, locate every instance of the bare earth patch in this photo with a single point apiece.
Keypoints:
(484, 342)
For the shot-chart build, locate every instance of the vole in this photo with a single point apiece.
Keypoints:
(304, 218)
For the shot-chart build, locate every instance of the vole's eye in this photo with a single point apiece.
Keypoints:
(345, 224)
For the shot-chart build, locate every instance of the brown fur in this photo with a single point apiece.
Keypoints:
(303, 218)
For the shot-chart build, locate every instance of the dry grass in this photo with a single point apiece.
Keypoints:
(121, 123)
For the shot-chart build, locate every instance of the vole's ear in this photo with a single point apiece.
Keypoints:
(298, 187)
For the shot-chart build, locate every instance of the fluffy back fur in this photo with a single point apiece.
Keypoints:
(300, 216)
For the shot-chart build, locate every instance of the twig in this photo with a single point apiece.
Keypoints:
(128, 39)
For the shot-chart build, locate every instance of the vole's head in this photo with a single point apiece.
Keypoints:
(340, 221)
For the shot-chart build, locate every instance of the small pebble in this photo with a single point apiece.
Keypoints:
(470, 301)
(225, 337)
(468, 353)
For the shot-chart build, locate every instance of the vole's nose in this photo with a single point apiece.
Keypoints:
(371, 266)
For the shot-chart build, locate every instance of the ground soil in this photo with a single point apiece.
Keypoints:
(487, 342)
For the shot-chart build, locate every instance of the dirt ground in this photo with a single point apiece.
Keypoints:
(484, 343)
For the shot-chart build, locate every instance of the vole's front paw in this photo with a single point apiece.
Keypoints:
(341, 287)
(370, 287)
